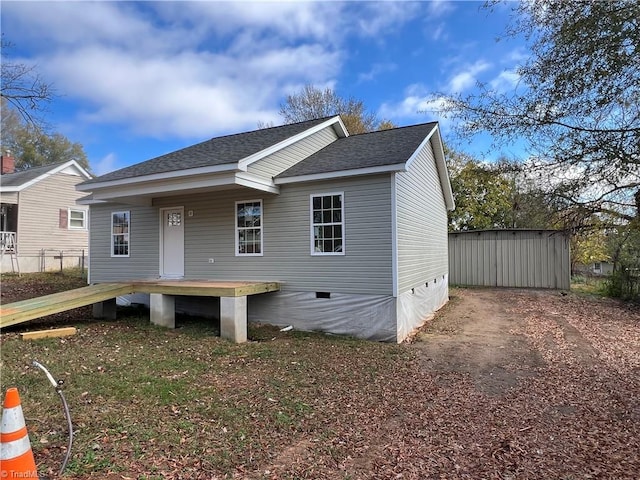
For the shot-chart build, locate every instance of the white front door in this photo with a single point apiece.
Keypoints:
(172, 242)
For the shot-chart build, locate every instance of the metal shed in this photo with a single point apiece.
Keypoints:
(510, 258)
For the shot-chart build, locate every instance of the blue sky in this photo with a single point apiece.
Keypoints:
(139, 79)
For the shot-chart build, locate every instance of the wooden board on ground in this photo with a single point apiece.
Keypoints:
(56, 332)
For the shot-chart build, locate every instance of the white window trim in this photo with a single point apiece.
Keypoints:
(111, 234)
(84, 218)
(237, 229)
(342, 223)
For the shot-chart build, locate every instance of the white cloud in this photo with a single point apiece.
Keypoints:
(186, 95)
(467, 78)
(440, 8)
(376, 69)
(156, 69)
(505, 81)
(418, 105)
(105, 165)
(289, 20)
(193, 69)
(377, 18)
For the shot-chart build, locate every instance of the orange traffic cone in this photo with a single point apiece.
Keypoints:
(16, 457)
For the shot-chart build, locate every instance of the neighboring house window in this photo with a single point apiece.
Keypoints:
(597, 267)
(249, 228)
(120, 224)
(77, 219)
(327, 224)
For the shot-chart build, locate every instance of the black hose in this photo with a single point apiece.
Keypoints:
(58, 387)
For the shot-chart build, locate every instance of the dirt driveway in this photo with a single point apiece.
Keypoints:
(501, 336)
(540, 384)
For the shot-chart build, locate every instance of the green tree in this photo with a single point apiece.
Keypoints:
(589, 246)
(311, 103)
(624, 252)
(32, 147)
(577, 104)
(483, 195)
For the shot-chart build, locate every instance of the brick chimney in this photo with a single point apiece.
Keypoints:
(7, 163)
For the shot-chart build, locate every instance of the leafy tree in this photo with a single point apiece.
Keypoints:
(32, 147)
(577, 104)
(22, 87)
(312, 102)
(483, 195)
(498, 195)
(589, 246)
(624, 252)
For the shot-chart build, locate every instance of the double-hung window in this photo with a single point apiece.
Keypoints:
(77, 219)
(249, 228)
(327, 224)
(120, 227)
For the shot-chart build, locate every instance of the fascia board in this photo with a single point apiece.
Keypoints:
(421, 146)
(89, 187)
(89, 201)
(76, 165)
(159, 187)
(245, 162)
(443, 171)
(399, 167)
(257, 183)
(441, 164)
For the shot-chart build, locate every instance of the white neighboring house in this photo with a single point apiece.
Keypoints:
(41, 225)
(601, 268)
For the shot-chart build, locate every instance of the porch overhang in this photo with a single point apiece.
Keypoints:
(145, 189)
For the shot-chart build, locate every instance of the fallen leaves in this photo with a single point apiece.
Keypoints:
(563, 397)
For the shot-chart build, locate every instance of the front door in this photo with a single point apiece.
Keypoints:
(172, 242)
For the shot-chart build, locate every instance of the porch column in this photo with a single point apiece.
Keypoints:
(163, 310)
(233, 318)
(105, 309)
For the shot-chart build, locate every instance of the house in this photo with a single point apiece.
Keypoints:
(601, 268)
(41, 225)
(354, 228)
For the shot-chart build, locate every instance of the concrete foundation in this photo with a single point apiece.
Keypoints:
(105, 309)
(163, 310)
(233, 319)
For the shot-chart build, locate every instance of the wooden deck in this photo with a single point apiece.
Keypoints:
(23, 311)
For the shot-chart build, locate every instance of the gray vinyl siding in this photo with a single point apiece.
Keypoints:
(39, 216)
(277, 163)
(143, 261)
(510, 258)
(421, 223)
(365, 268)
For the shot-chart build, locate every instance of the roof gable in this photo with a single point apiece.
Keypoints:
(367, 150)
(13, 182)
(228, 150)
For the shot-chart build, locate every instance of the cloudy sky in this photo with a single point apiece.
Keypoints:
(139, 79)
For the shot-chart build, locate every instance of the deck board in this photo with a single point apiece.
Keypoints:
(25, 310)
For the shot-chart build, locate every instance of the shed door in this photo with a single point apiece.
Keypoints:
(172, 242)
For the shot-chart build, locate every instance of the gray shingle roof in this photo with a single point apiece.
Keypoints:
(25, 176)
(375, 149)
(217, 151)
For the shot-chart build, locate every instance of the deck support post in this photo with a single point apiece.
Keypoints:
(163, 310)
(105, 309)
(233, 318)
